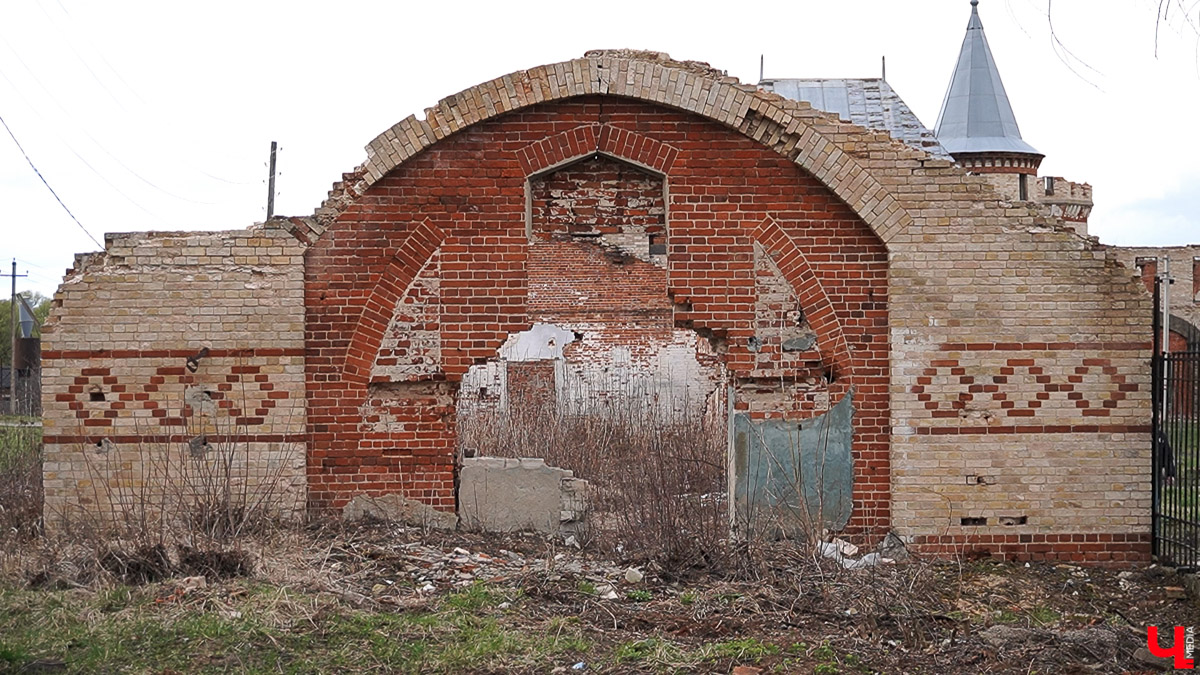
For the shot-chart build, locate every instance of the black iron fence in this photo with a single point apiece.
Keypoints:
(1176, 444)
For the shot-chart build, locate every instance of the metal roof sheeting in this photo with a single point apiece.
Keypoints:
(870, 103)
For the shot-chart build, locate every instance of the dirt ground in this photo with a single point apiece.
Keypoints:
(388, 599)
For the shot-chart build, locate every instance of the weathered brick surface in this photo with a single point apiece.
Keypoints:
(722, 189)
(120, 402)
(1054, 196)
(980, 334)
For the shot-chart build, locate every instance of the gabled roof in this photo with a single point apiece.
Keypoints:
(870, 103)
(976, 115)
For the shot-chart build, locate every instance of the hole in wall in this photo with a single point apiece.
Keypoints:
(972, 521)
(96, 395)
(1010, 521)
(198, 446)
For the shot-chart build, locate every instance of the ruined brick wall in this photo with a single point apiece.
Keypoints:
(120, 402)
(466, 199)
(1014, 345)
(997, 359)
(1056, 197)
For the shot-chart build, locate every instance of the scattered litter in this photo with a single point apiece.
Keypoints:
(633, 575)
(579, 666)
(831, 550)
(845, 548)
(192, 583)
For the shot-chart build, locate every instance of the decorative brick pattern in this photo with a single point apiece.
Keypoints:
(119, 395)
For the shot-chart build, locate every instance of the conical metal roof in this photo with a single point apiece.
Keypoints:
(976, 115)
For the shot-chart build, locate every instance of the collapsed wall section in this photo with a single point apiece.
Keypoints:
(169, 359)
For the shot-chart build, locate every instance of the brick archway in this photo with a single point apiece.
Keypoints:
(463, 205)
(790, 129)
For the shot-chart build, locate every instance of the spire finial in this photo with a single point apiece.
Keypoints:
(974, 3)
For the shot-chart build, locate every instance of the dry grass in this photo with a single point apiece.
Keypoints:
(657, 477)
(20, 478)
(352, 600)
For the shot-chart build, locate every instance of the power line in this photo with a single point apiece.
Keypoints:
(83, 129)
(44, 182)
(68, 146)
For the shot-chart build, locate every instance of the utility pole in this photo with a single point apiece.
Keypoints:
(12, 357)
(271, 185)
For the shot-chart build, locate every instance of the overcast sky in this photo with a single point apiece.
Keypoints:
(159, 115)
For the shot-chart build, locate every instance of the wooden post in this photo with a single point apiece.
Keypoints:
(271, 185)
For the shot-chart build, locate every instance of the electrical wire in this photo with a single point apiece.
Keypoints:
(98, 144)
(47, 184)
(78, 156)
(100, 55)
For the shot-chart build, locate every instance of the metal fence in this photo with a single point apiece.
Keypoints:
(1176, 446)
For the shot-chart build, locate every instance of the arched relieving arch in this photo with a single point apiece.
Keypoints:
(555, 151)
(781, 125)
(416, 249)
(547, 155)
(818, 309)
(590, 140)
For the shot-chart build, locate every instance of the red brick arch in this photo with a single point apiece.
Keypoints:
(588, 139)
(817, 307)
(462, 201)
(377, 312)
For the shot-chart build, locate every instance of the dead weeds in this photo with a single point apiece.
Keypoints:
(381, 598)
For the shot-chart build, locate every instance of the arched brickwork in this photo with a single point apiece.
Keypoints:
(587, 139)
(694, 88)
(818, 309)
(377, 312)
(466, 197)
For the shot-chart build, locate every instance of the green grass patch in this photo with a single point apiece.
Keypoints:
(267, 630)
(639, 595)
(650, 650)
(745, 649)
